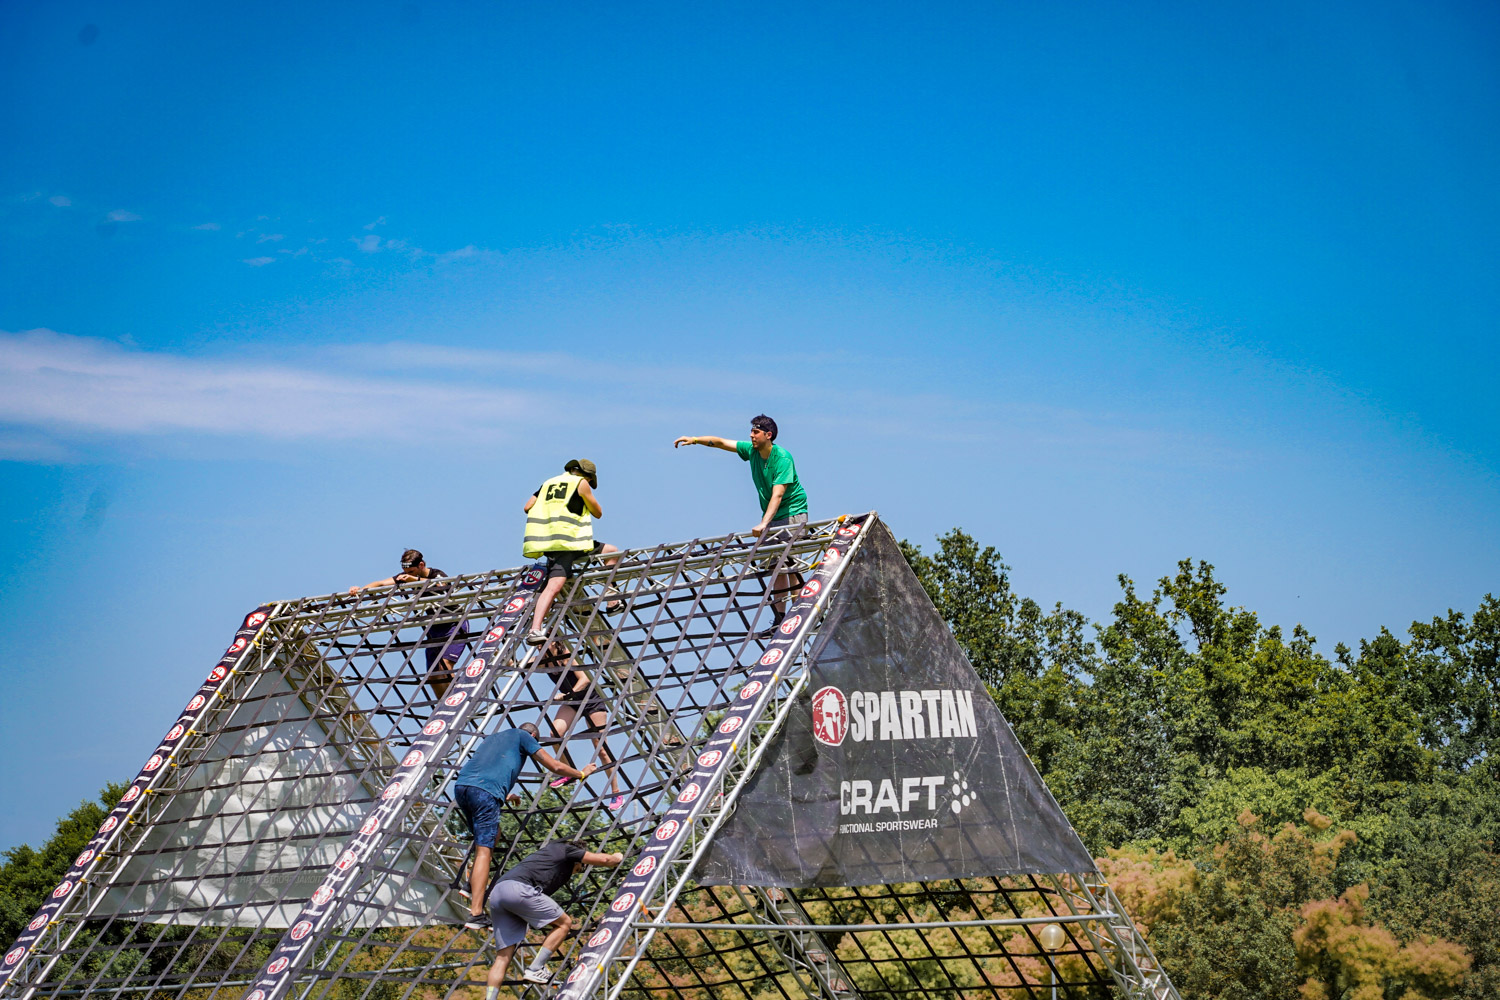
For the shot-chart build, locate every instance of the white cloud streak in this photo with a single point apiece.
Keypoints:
(259, 261)
(120, 215)
(74, 386)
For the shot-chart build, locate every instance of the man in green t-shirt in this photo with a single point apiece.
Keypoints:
(783, 503)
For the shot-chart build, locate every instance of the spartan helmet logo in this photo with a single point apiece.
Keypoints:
(301, 930)
(14, 955)
(601, 937)
(131, 794)
(38, 923)
(830, 716)
(278, 966)
(196, 703)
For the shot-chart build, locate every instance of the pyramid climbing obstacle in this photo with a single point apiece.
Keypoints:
(832, 807)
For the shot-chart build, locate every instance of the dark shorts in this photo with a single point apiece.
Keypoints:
(514, 905)
(481, 811)
(569, 564)
(783, 528)
(457, 635)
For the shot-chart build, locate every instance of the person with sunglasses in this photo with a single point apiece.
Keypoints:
(444, 642)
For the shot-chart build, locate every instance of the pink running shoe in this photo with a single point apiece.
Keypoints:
(616, 803)
(559, 782)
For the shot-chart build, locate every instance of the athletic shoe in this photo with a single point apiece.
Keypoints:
(559, 782)
(543, 976)
(616, 804)
(536, 637)
(770, 630)
(615, 603)
(479, 923)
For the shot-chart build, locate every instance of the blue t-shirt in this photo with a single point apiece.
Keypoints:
(497, 763)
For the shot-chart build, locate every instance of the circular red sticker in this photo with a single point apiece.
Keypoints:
(173, 733)
(603, 935)
(666, 830)
(413, 759)
(255, 619)
(197, 703)
(772, 657)
(689, 793)
(14, 955)
(370, 825)
(322, 894)
(849, 531)
(495, 634)
(62, 890)
(217, 674)
(455, 699)
(131, 794)
(278, 966)
(392, 790)
(434, 727)
(790, 625)
(813, 586)
(109, 824)
(624, 903)
(37, 923)
(730, 724)
(515, 604)
(301, 930)
(710, 758)
(153, 763)
(84, 858)
(645, 866)
(751, 690)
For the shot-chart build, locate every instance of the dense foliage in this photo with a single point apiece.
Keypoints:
(1288, 825)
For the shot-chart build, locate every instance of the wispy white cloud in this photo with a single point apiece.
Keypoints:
(366, 244)
(270, 238)
(121, 215)
(378, 222)
(259, 261)
(61, 201)
(54, 385)
(212, 227)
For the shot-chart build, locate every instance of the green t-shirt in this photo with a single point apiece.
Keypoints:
(778, 470)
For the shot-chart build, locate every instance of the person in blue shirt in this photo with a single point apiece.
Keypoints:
(483, 783)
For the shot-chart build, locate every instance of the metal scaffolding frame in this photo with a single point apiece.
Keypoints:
(307, 788)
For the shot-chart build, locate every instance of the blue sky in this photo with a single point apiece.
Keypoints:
(286, 288)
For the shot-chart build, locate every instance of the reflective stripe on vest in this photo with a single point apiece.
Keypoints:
(551, 526)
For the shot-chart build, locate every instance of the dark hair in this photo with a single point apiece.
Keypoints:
(764, 423)
(530, 727)
(410, 558)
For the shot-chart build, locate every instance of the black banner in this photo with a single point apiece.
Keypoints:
(677, 824)
(159, 762)
(896, 765)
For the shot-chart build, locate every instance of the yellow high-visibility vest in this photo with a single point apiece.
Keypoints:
(551, 526)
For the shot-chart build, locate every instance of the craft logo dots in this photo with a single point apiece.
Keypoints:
(474, 669)
(531, 577)
(258, 994)
(576, 974)
(370, 825)
(849, 531)
(217, 674)
(495, 634)
(392, 790)
(515, 604)
(238, 644)
(345, 861)
(109, 824)
(830, 716)
(131, 794)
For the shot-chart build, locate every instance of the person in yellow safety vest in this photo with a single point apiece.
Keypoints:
(560, 528)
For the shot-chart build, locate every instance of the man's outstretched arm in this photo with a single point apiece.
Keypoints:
(556, 766)
(602, 860)
(723, 444)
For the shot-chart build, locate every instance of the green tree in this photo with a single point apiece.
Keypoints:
(28, 874)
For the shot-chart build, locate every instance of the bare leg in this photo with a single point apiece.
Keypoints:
(496, 978)
(561, 723)
(544, 601)
(605, 550)
(601, 749)
(440, 684)
(559, 933)
(479, 880)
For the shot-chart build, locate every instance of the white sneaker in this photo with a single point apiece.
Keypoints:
(536, 637)
(542, 975)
